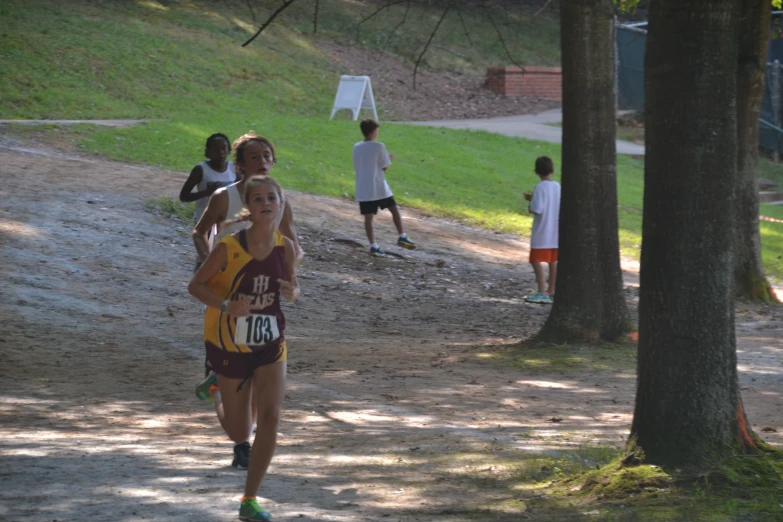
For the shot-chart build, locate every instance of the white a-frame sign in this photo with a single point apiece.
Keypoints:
(354, 93)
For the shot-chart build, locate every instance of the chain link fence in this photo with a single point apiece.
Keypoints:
(630, 42)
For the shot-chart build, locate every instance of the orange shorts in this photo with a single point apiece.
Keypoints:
(543, 255)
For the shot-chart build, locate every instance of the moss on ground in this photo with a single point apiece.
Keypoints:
(742, 488)
(551, 358)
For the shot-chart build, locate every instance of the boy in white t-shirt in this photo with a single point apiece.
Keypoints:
(545, 207)
(370, 161)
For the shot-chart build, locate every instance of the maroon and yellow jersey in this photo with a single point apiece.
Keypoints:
(247, 277)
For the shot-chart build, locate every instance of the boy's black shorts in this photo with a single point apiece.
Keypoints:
(371, 207)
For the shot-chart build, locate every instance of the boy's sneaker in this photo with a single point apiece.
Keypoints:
(377, 252)
(552, 297)
(242, 458)
(404, 242)
(536, 297)
(547, 299)
(202, 390)
(250, 510)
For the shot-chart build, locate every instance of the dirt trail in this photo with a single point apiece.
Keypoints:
(402, 402)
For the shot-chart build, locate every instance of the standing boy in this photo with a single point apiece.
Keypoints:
(370, 161)
(545, 207)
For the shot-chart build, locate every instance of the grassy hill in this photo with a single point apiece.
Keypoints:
(180, 64)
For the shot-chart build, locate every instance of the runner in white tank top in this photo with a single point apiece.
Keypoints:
(207, 177)
(235, 206)
(212, 180)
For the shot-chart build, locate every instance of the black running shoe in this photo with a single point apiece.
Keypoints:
(241, 455)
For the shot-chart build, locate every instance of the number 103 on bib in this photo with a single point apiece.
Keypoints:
(256, 330)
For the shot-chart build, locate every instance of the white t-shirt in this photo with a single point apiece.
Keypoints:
(235, 206)
(545, 206)
(225, 178)
(369, 160)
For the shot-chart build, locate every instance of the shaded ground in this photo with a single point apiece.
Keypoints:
(406, 399)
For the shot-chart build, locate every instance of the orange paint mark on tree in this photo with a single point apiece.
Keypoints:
(746, 439)
(772, 294)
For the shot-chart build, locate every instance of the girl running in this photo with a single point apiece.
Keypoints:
(241, 281)
(253, 156)
(208, 176)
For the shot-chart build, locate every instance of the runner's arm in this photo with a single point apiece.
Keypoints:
(186, 194)
(289, 231)
(289, 286)
(199, 285)
(214, 214)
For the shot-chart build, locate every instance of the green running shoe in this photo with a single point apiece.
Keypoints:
(404, 242)
(202, 390)
(251, 511)
(537, 297)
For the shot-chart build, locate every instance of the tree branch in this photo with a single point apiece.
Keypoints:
(502, 41)
(432, 35)
(252, 13)
(542, 8)
(269, 21)
(404, 18)
(462, 21)
(315, 17)
(358, 25)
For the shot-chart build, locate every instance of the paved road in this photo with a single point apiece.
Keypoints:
(106, 123)
(530, 126)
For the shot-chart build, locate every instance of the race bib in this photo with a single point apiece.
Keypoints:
(256, 330)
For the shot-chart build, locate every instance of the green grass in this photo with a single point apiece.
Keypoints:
(133, 60)
(772, 171)
(172, 209)
(772, 233)
(624, 133)
(180, 64)
(632, 134)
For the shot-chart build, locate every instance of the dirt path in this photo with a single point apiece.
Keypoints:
(405, 401)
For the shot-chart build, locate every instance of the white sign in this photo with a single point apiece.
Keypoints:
(354, 93)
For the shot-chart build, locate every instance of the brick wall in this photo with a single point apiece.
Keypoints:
(541, 82)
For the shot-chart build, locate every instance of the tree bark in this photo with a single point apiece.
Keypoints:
(749, 279)
(589, 303)
(688, 406)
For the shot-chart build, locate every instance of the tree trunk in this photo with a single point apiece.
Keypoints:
(749, 278)
(589, 303)
(688, 406)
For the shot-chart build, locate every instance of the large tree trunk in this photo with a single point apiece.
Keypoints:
(750, 281)
(688, 406)
(589, 303)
